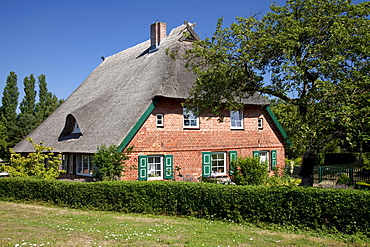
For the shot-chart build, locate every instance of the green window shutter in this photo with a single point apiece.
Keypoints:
(233, 157)
(206, 164)
(168, 166)
(143, 168)
(273, 159)
(256, 154)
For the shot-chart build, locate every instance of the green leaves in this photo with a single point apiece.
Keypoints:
(109, 163)
(249, 171)
(42, 163)
(315, 53)
(341, 210)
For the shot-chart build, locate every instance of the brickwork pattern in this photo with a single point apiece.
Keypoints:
(187, 145)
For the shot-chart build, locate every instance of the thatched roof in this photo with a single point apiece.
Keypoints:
(114, 96)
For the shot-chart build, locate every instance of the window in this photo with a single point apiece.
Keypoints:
(84, 165)
(155, 170)
(155, 167)
(76, 129)
(214, 163)
(270, 157)
(236, 119)
(64, 165)
(71, 129)
(190, 119)
(260, 123)
(159, 120)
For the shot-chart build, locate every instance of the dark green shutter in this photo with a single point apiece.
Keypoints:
(273, 159)
(143, 168)
(206, 164)
(168, 166)
(256, 154)
(233, 156)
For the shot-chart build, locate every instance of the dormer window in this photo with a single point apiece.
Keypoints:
(71, 129)
(76, 129)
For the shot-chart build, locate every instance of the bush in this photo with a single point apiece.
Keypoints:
(42, 163)
(109, 163)
(249, 171)
(344, 179)
(341, 210)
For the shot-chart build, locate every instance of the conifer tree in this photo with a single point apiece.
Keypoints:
(27, 120)
(9, 108)
(48, 102)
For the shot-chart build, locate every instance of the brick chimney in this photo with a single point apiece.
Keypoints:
(157, 34)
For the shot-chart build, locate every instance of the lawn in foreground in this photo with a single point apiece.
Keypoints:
(43, 225)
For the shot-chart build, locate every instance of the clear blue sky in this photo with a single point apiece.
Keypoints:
(64, 39)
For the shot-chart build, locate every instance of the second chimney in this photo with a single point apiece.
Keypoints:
(157, 34)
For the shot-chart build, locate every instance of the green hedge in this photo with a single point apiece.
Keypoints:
(342, 209)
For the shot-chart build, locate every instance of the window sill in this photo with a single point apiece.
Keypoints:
(235, 128)
(191, 127)
(84, 174)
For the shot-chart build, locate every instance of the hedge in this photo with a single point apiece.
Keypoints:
(344, 210)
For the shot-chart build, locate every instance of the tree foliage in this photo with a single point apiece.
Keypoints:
(42, 163)
(312, 54)
(9, 108)
(109, 163)
(48, 102)
(14, 126)
(249, 171)
(26, 120)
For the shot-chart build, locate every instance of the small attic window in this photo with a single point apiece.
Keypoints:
(76, 129)
(71, 129)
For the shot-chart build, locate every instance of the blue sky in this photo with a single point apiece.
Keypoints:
(65, 39)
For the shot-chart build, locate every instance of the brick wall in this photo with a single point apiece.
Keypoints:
(187, 145)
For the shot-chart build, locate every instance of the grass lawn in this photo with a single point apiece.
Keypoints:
(43, 225)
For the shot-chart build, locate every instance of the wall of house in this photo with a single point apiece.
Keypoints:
(187, 145)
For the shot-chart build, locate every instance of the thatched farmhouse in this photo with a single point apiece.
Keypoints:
(133, 98)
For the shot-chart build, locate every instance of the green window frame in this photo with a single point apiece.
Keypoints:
(166, 167)
(233, 156)
(272, 157)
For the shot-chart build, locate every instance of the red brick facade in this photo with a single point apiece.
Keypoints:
(187, 145)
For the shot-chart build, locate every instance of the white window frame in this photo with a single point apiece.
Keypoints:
(159, 120)
(189, 118)
(213, 161)
(260, 123)
(235, 118)
(161, 168)
(64, 163)
(86, 162)
(76, 129)
(265, 158)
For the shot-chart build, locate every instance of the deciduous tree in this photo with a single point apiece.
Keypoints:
(313, 54)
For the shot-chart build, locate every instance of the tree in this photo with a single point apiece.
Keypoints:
(9, 108)
(48, 102)
(27, 117)
(109, 163)
(42, 163)
(312, 51)
(3, 142)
